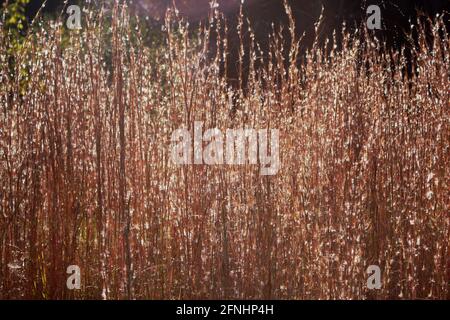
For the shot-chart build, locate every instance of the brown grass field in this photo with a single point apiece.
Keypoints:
(86, 178)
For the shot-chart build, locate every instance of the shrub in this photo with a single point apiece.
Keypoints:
(86, 176)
